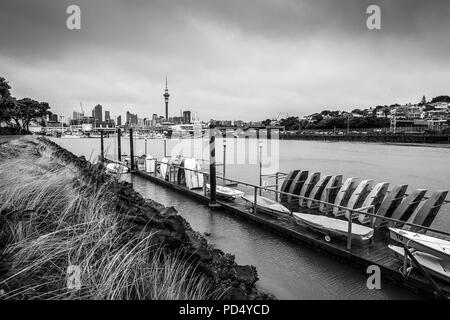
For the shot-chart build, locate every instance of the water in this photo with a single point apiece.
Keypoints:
(286, 268)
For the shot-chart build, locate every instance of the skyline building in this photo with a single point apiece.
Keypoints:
(97, 113)
(166, 100)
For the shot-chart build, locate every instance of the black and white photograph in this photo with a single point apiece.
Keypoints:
(225, 155)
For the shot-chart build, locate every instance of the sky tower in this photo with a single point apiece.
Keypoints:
(166, 99)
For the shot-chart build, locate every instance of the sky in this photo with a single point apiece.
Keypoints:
(233, 59)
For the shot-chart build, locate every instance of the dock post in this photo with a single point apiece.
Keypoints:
(119, 149)
(224, 158)
(165, 146)
(276, 186)
(349, 232)
(145, 146)
(260, 168)
(212, 165)
(131, 150)
(255, 200)
(102, 147)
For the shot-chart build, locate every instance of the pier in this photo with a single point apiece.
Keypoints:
(361, 254)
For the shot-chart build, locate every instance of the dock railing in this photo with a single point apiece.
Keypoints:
(366, 211)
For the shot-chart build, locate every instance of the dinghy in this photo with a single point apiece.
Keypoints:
(358, 197)
(163, 168)
(308, 187)
(296, 186)
(285, 186)
(226, 193)
(317, 191)
(436, 266)
(434, 246)
(330, 193)
(429, 209)
(116, 168)
(344, 195)
(408, 205)
(333, 227)
(267, 206)
(390, 203)
(374, 200)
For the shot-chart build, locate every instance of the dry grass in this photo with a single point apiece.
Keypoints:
(56, 220)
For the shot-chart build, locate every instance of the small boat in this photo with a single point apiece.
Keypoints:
(308, 186)
(429, 209)
(286, 185)
(436, 266)
(390, 203)
(407, 206)
(431, 245)
(116, 168)
(358, 197)
(374, 200)
(266, 205)
(297, 186)
(344, 195)
(226, 193)
(316, 192)
(330, 193)
(333, 227)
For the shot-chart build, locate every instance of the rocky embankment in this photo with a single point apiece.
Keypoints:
(173, 231)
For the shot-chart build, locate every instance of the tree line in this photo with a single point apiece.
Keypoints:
(16, 115)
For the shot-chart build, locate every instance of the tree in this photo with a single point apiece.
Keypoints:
(266, 122)
(441, 99)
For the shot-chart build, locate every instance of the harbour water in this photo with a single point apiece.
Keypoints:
(286, 268)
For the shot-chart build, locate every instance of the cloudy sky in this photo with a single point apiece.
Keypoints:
(225, 59)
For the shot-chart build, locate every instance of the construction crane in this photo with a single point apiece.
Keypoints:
(81, 107)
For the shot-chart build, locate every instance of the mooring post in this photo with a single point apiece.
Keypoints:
(165, 146)
(102, 147)
(145, 146)
(255, 201)
(119, 149)
(212, 165)
(276, 186)
(349, 235)
(131, 150)
(224, 158)
(260, 169)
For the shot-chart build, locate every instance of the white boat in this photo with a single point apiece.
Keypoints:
(308, 186)
(432, 245)
(374, 200)
(429, 209)
(266, 205)
(116, 168)
(333, 227)
(358, 197)
(163, 168)
(436, 266)
(330, 193)
(406, 208)
(316, 192)
(344, 195)
(297, 186)
(390, 203)
(226, 192)
(194, 177)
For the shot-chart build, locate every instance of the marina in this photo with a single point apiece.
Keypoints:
(363, 247)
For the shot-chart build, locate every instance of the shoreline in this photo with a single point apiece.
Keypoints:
(135, 217)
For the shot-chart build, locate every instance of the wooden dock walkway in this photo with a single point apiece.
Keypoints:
(361, 255)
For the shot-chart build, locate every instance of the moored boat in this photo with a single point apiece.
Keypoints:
(432, 245)
(333, 227)
(226, 192)
(438, 267)
(267, 206)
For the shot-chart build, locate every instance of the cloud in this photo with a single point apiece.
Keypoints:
(225, 59)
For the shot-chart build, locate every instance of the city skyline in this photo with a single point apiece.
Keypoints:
(226, 60)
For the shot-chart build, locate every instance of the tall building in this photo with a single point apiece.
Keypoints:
(107, 116)
(186, 117)
(166, 100)
(131, 118)
(97, 113)
(77, 115)
(119, 121)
